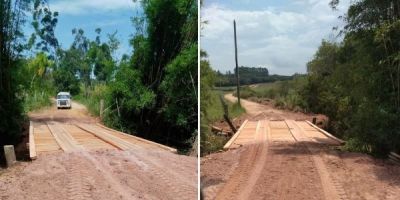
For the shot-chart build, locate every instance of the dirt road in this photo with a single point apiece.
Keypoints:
(293, 165)
(97, 171)
(259, 111)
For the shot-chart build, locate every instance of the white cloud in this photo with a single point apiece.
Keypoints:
(81, 7)
(283, 39)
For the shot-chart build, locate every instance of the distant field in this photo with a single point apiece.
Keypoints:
(286, 94)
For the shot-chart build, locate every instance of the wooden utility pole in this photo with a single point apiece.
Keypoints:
(237, 66)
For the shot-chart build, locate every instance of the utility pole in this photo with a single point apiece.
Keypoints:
(237, 66)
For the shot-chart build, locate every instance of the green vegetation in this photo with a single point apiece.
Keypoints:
(92, 102)
(212, 142)
(211, 108)
(151, 92)
(286, 94)
(356, 82)
(11, 46)
(215, 110)
(154, 92)
(248, 75)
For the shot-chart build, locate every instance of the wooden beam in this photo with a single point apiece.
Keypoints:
(326, 133)
(296, 131)
(32, 144)
(63, 138)
(233, 138)
(115, 141)
(395, 155)
(140, 139)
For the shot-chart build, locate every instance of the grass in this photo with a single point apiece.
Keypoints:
(92, 101)
(284, 93)
(36, 100)
(215, 111)
(211, 142)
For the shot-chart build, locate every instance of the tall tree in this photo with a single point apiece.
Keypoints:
(12, 18)
(164, 60)
(357, 82)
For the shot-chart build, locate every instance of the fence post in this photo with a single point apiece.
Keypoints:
(10, 155)
(101, 108)
(314, 120)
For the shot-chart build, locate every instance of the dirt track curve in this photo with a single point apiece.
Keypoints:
(294, 164)
(88, 167)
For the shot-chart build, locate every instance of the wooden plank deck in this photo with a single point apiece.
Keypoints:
(61, 137)
(86, 139)
(44, 140)
(279, 131)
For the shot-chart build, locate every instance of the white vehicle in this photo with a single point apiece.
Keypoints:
(63, 100)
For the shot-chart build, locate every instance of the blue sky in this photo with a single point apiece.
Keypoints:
(109, 15)
(280, 35)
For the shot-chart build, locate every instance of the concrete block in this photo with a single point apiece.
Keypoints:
(10, 155)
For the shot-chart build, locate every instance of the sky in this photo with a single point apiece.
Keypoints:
(109, 15)
(282, 35)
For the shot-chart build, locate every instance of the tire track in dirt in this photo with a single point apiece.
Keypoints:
(182, 191)
(155, 178)
(247, 172)
(333, 189)
(79, 182)
(232, 188)
(393, 192)
(289, 173)
(184, 188)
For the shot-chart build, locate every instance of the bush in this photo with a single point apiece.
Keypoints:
(36, 100)
(92, 101)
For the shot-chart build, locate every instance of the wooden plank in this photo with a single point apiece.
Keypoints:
(64, 140)
(87, 139)
(296, 132)
(140, 139)
(280, 132)
(44, 140)
(395, 155)
(32, 147)
(115, 141)
(326, 133)
(268, 130)
(230, 142)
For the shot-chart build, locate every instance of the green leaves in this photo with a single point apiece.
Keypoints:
(180, 89)
(129, 91)
(357, 82)
(44, 24)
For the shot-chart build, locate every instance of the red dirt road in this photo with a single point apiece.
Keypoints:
(96, 173)
(303, 168)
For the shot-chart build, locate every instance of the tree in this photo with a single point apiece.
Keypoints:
(357, 82)
(100, 57)
(37, 68)
(44, 24)
(164, 55)
(12, 17)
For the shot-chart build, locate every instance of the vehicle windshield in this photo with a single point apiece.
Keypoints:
(63, 96)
